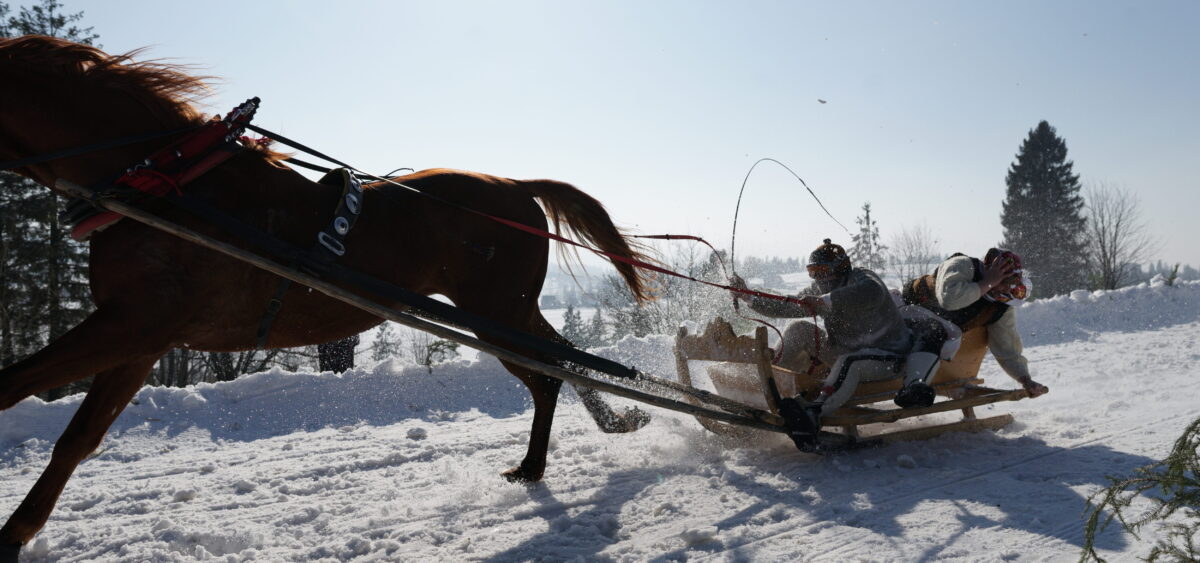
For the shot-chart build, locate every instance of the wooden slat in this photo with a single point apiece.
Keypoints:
(762, 364)
(685, 378)
(925, 432)
(944, 388)
(892, 415)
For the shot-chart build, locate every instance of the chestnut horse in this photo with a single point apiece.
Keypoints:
(154, 291)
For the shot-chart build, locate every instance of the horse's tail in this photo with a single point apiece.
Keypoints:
(587, 221)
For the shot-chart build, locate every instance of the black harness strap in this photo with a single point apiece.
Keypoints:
(76, 151)
(331, 244)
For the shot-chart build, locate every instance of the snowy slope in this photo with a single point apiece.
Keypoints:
(393, 463)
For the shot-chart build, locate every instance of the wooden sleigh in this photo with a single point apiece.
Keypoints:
(745, 373)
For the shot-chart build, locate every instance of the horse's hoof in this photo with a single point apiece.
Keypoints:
(520, 475)
(9, 552)
(635, 419)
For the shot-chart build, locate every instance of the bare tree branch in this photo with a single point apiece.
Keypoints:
(914, 252)
(1118, 238)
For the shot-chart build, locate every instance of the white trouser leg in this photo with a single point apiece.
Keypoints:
(920, 366)
(953, 333)
(851, 369)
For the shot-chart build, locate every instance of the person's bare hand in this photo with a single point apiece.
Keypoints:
(1034, 388)
(814, 303)
(994, 274)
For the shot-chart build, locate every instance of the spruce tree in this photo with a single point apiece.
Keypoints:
(48, 19)
(573, 329)
(867, 250)
(597, 330)
(43, 291)
(1043, 214)
(387, 343)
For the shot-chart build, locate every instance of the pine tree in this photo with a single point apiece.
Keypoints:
(868, 251)
(43, 291)
(387, 343)
(47, 19)
(597, 330)
(1043, 214)
(573, 329)
(1172, 489)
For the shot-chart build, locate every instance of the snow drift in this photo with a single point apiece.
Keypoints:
(392, 462)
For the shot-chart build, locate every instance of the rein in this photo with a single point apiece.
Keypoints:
(736, 304)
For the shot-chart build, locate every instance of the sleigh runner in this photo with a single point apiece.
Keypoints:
(745, 373)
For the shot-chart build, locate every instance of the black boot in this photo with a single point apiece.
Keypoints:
(915, 395)
(803, 422)
(919, 369)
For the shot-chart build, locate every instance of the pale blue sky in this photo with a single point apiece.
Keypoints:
(659, 108)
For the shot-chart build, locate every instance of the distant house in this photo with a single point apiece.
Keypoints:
(551, 302)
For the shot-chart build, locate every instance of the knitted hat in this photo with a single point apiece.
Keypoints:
(828, 257)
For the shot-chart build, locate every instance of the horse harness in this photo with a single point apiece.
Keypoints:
(923, 291)
(331, 243)
(167, 170)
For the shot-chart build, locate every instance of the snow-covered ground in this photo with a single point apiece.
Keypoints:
(392, 462)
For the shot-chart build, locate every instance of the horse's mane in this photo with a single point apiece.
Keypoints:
(167, 90)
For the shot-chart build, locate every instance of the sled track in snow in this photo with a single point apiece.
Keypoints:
(840, 552)
(583, 496)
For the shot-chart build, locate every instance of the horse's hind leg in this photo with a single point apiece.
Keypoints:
(109, 337)
(606, 418)
(110, 392)
(544, 390)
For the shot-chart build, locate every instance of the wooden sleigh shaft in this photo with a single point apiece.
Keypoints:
(730, 411)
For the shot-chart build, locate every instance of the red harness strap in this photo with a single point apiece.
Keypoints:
(737, 308)
(173, 166)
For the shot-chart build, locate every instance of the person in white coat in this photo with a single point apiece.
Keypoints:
(970, 292)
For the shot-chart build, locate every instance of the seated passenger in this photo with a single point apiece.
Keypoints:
(971, 293)
(866, 334)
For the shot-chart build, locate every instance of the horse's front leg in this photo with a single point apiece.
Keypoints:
(110, 392)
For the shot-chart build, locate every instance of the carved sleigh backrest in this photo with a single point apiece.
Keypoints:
(718, 343)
